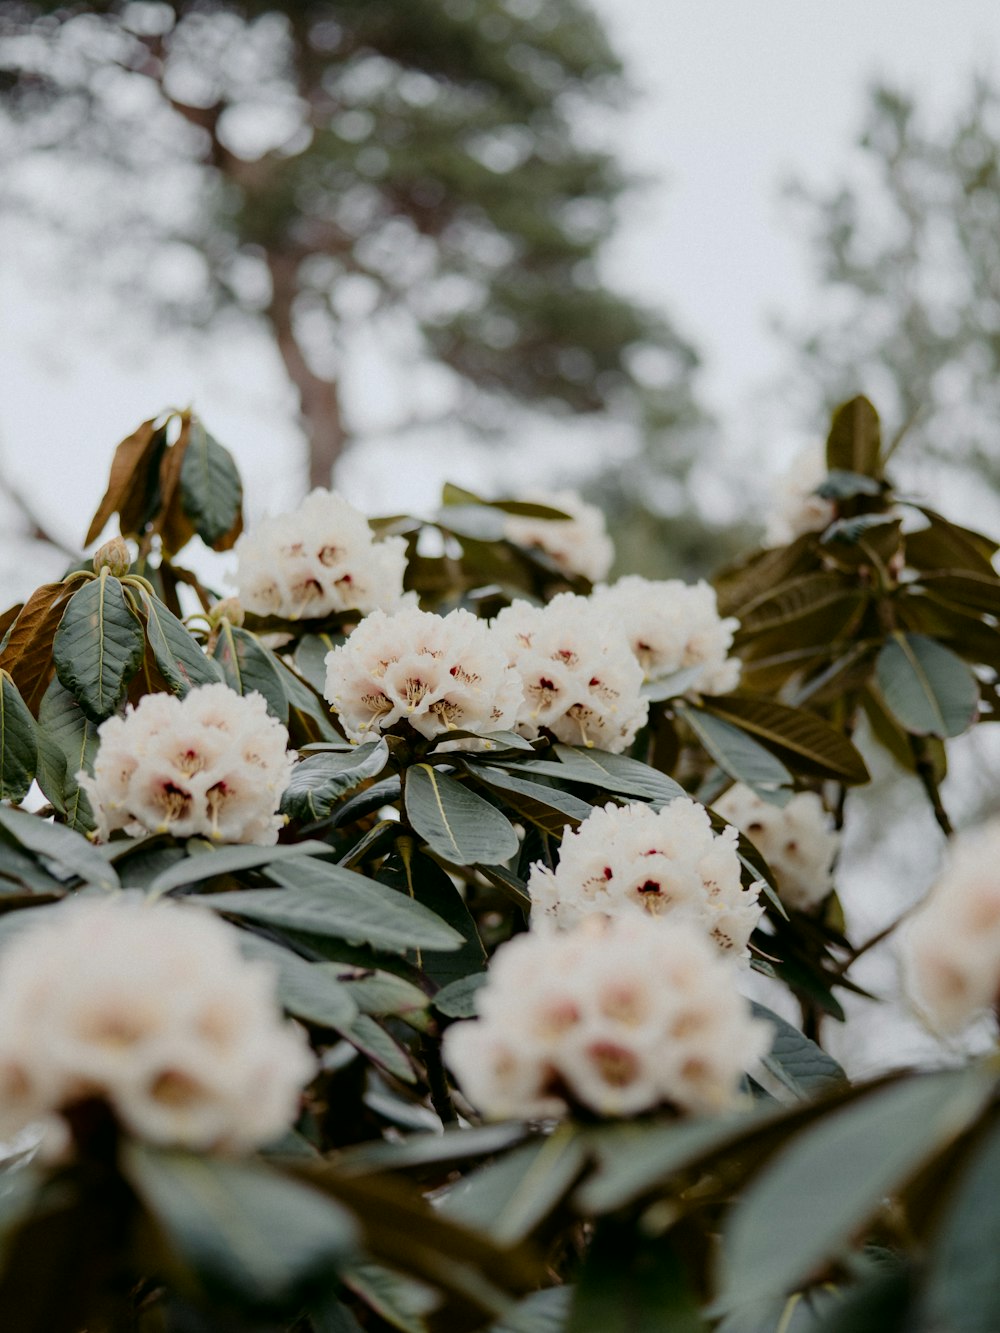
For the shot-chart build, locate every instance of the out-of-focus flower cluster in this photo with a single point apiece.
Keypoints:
(951, 949)
(581, 682)
(578, 544)
(666, 863)
(797, 508)
(438, 673)
(617, 1016)
(674, 626)
(152, 1009)
(214, 763)
(319, 560)
(796, 840)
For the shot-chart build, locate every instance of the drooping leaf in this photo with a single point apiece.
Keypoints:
(210, 489)
(854, 442)
(248, 666)
(455, 822)
(241, 1229)
(977, 592)
(18, 743)
(927, 688)
(318, 780)
(734, 751)
(65, 848)
(805, 1205)
(132, 483)
(802, 1066)
(27, 653)
(99, 646)
(547, 806)
(308, 990)
(176, 652)
(948, 546)
(805, 738)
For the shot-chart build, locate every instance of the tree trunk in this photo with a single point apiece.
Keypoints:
(319, 402)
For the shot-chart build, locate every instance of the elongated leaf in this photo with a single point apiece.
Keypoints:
(27, 652)
(927, 688)
(542, 1312)
(345, 905)
(422, 879)
(176, 652)
(398, 1300)
(548, 807)
(247, 666)
(242, 1229)
(128, 476)
(229, 861)
(458, 998)
(308, 990)
(210, 489)
(419, 1150)
(377, 1045)
(317, 781)
(70, 851)
(854, 442)
(455, 822)
(18, 743)
(802, 1066)
(978, 592)
(946, 545)
(98, 646)
(383, 994)
(796, 599)
(834, 1175)
(734, 751)
(598, 768)
(815, 745)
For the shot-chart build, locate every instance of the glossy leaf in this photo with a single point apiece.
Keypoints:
(854, 442)
(212, 861)
(98, 646)
(18, 743)
(131, 484)
(411, 872)
(318, 780)
(308, 990)
(806, 738)
(210, 489)
(734, 751)
(547, 806)
(247, 666)
(598, 768)
(458, 998)
(454, 822)
(927, 688)
(802, 1066)
(68, 850)
(176, 652)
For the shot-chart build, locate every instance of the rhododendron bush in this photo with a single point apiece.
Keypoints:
(385, 922)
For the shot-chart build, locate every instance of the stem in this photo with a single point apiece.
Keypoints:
(437, 1081)
(925, 772)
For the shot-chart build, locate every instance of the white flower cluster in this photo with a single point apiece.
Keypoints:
(618, 1016)
(797, 508)
(951, 950)
(318, 560)
(213, 763)
(580, 679)
(797, 842)
(578, 545)
(152, 1009)
(628, 859)
(438, 673)
(673, 626)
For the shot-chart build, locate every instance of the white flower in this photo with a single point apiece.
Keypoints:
(951, 949)
(578, 545)
(438, 673)
(151, 1008)
(618, 1016)
(674, 626)
(214, 763)
(797, 841)
(318, 560)
(624, 860)
(797, 508)
(581, 681)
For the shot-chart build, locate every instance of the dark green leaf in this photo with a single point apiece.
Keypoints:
(65, 848)
(598, 768)
(810, 741)
(247, 666)
(242, 1229)
(382, 994)
(212, 861)
(409, 871)
(211, 491)
(374, 1042)
(854, 442)
(547, 806)
(978, 592)
(833, 1176)
(631, 1283)
(98, 646)
(310, 991)
(317, 781)
(928, 689)
(454, 822)
(458, 999)
(176, 652)
(454, 1145)
(18, 743)
(802, 1066)
(541, 1312)
(67, 745)
(734, 751)
(401, 1302)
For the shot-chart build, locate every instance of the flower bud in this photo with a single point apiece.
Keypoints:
(229, 609)
(113, 556)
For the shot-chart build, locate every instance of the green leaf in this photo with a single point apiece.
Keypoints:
(211, 491)
(454, 822)
(422, 879)
(810, 742)
(598, 768)
(317, 781)
(854, 443)
(734, 751)
(400, 1301)
(507, 1199)
(175, 651)
(212, 861)
(830, 1178)
(926, 687)
(68, 850)
(247, 666)
(382, 993)
(962, 1291)
(18, 743)
(67, 745)
(633, 1283)
(243, 1230)
(372, 1040)
(328, 900)
(454, 1145)
(542, 1312)
(548, 807)
(310, 991)
(458, 998)
(802, 1066)
(99, 646)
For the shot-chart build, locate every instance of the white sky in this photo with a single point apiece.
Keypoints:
(737, 97)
